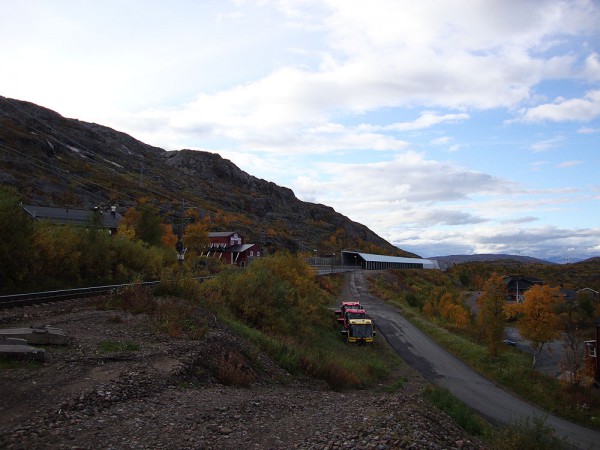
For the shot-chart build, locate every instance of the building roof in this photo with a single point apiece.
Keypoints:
(70, 216)
(240, 248)
(220, 233)
(369, 257)
(531, 280)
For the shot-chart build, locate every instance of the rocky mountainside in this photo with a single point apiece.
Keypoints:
(54, 161)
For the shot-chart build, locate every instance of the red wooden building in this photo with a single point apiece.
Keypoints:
(229, 247)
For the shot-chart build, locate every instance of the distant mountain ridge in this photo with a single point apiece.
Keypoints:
(450, 260)
(55, 161)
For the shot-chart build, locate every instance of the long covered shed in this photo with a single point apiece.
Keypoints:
(368, 261)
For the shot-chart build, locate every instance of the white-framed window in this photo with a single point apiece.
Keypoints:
(251, 253)
(592, 351)
(258, 254)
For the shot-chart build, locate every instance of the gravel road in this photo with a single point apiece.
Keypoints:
(176, 393)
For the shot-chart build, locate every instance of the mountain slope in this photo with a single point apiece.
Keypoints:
(458, 259)
(55, 161)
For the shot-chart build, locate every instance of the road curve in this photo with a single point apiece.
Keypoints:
(445, 370)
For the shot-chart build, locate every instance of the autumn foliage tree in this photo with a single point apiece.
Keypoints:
(169, 239)
(577, 317)
(447, 307)
(196, 237)
(538, 319)
(142, 223)
(16, 246)
(147, 227)
(490, 315)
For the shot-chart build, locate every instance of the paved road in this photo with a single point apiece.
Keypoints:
(443, 369)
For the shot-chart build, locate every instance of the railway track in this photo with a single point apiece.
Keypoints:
(36, 298)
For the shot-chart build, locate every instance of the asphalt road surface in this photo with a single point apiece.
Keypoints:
(444, 370)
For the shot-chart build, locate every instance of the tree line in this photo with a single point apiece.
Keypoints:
(38, 255)
(543, 316)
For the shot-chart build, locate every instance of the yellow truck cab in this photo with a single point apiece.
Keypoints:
(359, 330)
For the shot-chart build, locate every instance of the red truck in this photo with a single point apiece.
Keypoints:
(347, 305)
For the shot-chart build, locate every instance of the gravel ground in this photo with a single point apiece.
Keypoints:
(214, 393)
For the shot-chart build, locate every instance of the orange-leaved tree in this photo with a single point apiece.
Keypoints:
(490, 315)
(538, 318)
(127, 225)
(169, 239)
(196, 237)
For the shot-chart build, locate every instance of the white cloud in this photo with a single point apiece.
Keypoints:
(562, 110)
(591, 69)
(426, 120)
(520, 220)
(537, 165)
(408, 177)
(320, 93)
(441, 140)
(567, 164)
(389, 55)
(546, 242)
(547, 144)
(588, 130)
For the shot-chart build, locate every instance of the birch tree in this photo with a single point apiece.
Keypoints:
(538, 319)
(490, 316)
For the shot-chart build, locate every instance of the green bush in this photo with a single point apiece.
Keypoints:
(277, 295)
(531, 434)
(413, 300)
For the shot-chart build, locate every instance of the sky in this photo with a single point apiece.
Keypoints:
(446, 126)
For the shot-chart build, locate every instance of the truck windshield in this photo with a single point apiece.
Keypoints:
(361, 331)
(356, 315)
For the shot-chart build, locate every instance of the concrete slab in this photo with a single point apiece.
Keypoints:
(12, 341)
(18, 351)
(44, 335)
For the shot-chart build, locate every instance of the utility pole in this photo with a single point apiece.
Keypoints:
(181, 249)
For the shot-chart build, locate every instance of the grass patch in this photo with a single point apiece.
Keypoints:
(341, 365)
(396, 385)
(279, 305)
(173, 315)
(7, 362)
(460, 413)
(114, 346)
(527, 434)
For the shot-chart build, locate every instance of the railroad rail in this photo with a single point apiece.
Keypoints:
(36, 298)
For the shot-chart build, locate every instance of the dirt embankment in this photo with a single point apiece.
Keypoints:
(156, 391)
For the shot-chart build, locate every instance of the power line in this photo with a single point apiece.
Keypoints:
(152, 188)
(47, 167)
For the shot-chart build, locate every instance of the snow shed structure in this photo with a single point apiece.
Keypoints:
(368, 261)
